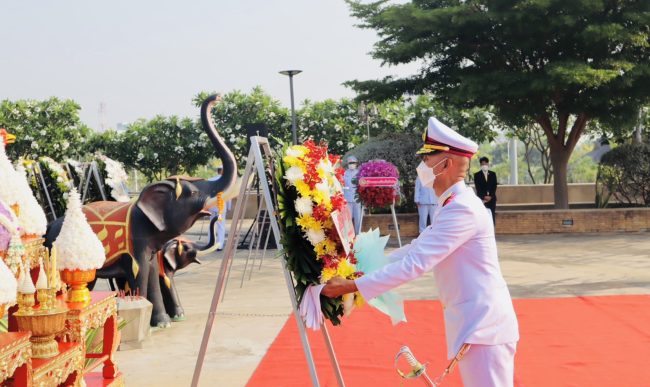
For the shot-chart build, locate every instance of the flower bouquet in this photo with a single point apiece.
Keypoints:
(309, 189)
(377, 197)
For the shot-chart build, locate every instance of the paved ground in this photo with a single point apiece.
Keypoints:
(250, 317)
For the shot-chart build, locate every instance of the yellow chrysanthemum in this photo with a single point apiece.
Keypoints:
(303, 189)
(325, 247)
(358, 299)
(307, 222)
(345, 269)
(292, 161)
(328, 224)
(320, 197)
(327, 274)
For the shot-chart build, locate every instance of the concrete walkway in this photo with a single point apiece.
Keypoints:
(250, 317)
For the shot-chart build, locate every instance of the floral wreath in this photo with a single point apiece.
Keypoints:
(309, 190)
(116, 178)
(377, 197)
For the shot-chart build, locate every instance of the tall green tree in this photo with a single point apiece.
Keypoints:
(533, 61)
(49, 127)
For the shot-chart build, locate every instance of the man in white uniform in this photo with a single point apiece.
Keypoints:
(425, 200)
(220, 225)
(460, 248)
(350, 191)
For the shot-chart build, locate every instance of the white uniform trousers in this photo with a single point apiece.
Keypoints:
(488, 365)
(424, 211)
(355, 211)
(221, 232)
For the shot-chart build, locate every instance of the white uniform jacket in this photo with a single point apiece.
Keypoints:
(461, 250)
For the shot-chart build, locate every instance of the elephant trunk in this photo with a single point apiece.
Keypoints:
(227, 179)
(212, 244)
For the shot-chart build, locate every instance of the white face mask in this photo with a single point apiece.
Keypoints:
(485, 167)
(352, 166)
(426, 175)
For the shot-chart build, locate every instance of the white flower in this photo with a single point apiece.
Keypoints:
(293, 174)
(77, 245)
(323, 186)
(350, 145)
(315, 236)
(65, 145)
(8, 285)
(339, 143)
(42, 132)
(140, 156)
(326, 166)
(294, 152)
(304, 206)
(34, 145)
(155, 155)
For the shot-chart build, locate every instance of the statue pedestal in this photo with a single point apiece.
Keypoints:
(137, 312)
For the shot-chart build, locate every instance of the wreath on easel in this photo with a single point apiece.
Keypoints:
(309, 190)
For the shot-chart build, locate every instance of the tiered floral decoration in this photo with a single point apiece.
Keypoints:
(377, 197)
(309, 189)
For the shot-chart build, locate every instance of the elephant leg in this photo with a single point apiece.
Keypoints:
(159, 317)
(92, 283)
(171, 300)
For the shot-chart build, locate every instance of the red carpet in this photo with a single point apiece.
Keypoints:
(583, 341)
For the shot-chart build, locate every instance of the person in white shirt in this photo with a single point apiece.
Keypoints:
(459, 246)
(425, 200)
(350, 191)
(221, 222)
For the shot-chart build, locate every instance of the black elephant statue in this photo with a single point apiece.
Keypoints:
(176, 254)
(163, 211)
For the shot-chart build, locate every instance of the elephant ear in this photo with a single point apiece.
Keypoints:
(153, 200)
(170, 254)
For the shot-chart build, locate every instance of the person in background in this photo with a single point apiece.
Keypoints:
(425, 200)
(486, 187)
(350, 191)
(215, 212)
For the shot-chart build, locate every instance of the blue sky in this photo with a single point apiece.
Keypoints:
(142, 58)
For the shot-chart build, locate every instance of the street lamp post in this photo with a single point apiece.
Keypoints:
(291, 73)
(365, 112)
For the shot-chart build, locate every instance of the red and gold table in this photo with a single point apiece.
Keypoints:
(100, 312)
(66, 368)
(15, 357)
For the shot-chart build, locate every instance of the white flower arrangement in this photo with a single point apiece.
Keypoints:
(116, 179)
(77, 246)
(60, 174)
(8, 285)
(15, 190)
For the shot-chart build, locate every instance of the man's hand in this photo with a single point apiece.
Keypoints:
(487, 199)
(417, 204)
(338, 286)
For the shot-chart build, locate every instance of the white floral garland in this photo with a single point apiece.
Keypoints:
(116, 179)
(61, 174)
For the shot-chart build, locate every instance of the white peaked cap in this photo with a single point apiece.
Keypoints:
(440, 137)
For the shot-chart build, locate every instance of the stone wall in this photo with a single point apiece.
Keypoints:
(537, 222)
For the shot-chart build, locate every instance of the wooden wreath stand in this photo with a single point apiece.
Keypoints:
(18, 367)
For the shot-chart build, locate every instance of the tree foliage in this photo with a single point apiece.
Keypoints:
(625, 171)
(533, 61)
(49, 127)
(237, 109)
(159, 147)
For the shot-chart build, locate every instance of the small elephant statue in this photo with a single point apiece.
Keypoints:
(176, 254)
